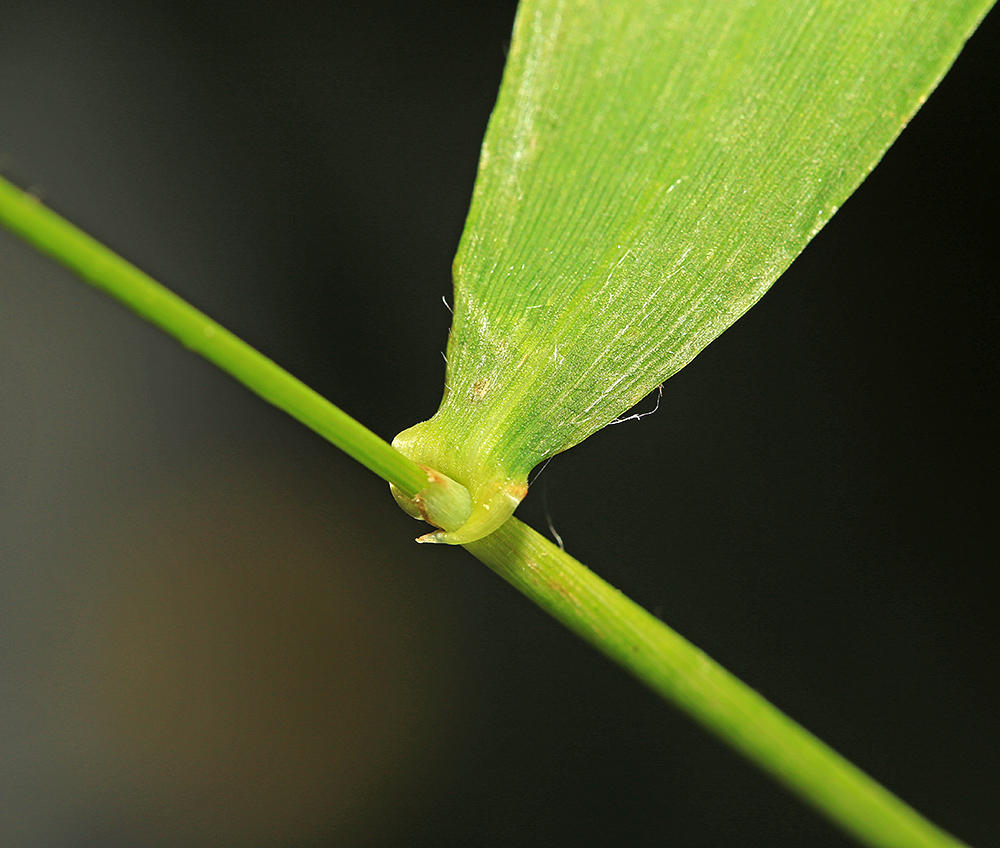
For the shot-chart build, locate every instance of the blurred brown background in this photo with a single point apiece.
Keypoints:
(216, 631)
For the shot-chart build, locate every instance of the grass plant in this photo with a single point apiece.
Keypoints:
(520, 392)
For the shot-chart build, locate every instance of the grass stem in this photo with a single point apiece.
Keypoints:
(684, 675)
(445, 501)
(550, 577)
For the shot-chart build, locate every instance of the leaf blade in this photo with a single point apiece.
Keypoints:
(650, 169)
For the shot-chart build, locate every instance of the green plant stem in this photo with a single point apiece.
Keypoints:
(684, 675)
(599, 613)
(444, 500)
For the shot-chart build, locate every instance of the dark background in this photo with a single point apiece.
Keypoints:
(216, 631)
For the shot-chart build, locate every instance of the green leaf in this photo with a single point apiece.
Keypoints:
(650, 169)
